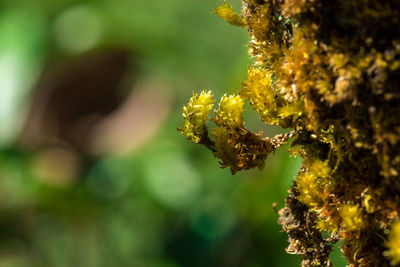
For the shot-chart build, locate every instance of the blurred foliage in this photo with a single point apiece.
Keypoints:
(166, 202)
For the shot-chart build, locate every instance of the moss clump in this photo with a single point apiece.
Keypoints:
(393, 243)
(227, 13)
(329, 70)
(196, 115)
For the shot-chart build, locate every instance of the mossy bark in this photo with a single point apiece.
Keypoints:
(330, 70)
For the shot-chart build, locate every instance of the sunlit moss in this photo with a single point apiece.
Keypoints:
(368, 203)
(227, 13)
(195, 115)
(230, 111)
(327, 224)
(264, 98)
(320, 169)
(310, 191)
(258, 88)
(241, 149)
(393, 244)
(331, 73)
(352, 219)
(312, 183)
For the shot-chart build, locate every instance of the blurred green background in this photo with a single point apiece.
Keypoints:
(92, 169)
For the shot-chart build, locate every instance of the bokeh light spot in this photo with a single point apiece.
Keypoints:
(78, 29)
(173, 180)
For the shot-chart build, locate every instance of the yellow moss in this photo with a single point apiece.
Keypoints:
(258, 88)
(313, 182)
(195, 115)
(327, 136)
(320, 169)
(227, 13)
(296, 76)
(293, 7)
(229, 112)
(326, 224)
(380, 60)
(338, 61)
(221, 140)
(273, 109)
(368, 203)
(310, 191)
(269, 35)
(323, 85)
(351, 217)
(393, 244)
(240, 149)
(395, 65)
(293, 110)
(337, 90)
(260, 23)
